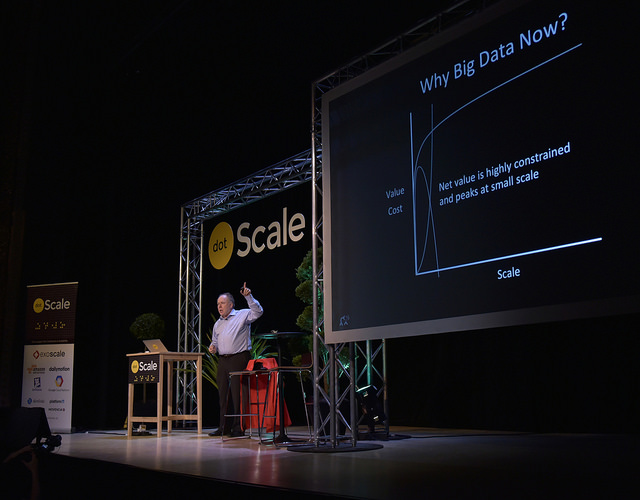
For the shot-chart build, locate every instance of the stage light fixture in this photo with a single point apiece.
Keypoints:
(367, 396)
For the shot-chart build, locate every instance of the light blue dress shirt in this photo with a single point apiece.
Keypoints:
(232, 334)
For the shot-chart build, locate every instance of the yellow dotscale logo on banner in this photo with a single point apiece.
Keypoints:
(38, 305)
(221, 245)
(134, 366)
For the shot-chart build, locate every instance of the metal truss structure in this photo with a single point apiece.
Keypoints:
(367, 363)
(337, 368)
(272, 180)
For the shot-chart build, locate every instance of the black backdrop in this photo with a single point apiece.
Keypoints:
(271, 272)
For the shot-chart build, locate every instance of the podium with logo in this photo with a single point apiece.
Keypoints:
(147, 368)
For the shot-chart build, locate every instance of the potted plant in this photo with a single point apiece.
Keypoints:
(148, 326)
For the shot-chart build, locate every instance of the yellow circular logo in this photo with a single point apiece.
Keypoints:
(221, 245)
(38, 305)
(135, 366)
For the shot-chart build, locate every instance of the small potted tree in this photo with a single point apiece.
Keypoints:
(148, 326)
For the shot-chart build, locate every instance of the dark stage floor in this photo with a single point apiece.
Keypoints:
(427, 463)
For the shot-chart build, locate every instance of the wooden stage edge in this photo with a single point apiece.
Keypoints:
(415, 463)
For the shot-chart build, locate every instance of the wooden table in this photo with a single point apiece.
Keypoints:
(166, 359)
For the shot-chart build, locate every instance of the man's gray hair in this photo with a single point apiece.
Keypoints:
(228, 296)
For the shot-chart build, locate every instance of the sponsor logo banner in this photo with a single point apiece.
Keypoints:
(47, 382)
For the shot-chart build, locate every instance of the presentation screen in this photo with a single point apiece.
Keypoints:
(485, 178)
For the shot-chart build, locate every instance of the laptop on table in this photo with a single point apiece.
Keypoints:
(155, 345)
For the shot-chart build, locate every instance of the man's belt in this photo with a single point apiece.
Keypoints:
(230, 355)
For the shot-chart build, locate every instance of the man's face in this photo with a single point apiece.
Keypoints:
(224, 306)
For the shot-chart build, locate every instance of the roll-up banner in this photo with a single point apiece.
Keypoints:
(47, 379)
(47, 382)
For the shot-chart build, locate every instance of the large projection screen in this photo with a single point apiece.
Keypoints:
(486, 178)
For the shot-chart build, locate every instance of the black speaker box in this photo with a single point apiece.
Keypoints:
(21, 426)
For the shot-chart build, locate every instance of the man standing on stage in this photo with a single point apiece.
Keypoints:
(231, 339)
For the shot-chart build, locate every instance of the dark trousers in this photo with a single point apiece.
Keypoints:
(227, 364)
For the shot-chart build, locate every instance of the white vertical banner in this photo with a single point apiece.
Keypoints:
(47, 378)
(47, 382)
